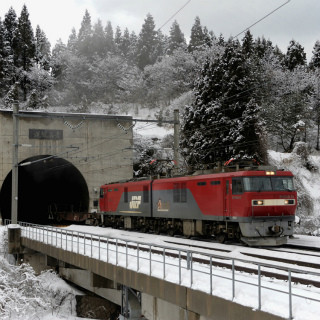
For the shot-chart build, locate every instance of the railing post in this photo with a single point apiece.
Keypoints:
(259, 285)
(91, 246)
(138, 267)
(233, 280)
(191, 266)
(126, 254)
(108, 250)
(188, 260)
(179, 267)
(164, 263)
(150, 258)
(116, 252)
(99, 246)
(290, 295)
(210, 275)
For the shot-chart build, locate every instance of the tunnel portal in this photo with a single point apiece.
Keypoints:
(46, 185)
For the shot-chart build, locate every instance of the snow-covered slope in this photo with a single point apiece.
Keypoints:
(305, 167)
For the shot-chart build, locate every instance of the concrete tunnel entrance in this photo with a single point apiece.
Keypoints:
(46, 186)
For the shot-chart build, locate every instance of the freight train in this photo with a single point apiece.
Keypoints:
(256, 207)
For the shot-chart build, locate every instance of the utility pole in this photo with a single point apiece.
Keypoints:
(15, 138)
(176, 138)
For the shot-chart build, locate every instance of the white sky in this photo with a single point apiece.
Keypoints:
(299, 19)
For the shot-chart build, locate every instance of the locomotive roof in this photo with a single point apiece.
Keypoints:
(209, 176)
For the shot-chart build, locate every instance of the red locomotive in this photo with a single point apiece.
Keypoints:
(256, 207)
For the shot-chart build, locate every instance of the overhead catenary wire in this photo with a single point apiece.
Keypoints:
(264, 17)
(175, 14)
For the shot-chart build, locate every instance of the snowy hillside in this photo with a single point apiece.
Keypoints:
(305, 167)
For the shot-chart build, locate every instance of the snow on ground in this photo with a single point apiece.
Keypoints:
(26, 296)
(306, 170)
(246, 291)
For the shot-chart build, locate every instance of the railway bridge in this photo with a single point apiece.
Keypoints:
(63, 159)
(149, 281)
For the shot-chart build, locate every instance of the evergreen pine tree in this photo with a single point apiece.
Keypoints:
(125, 43)
(26, 48)
(2, 59)
(109, 38)
(11, 41)
(197, 37)
(208, 37)
(84, 42)
(133, 47)
(176, 38)
(315, 59)
(73, 41)
(222, 122)
(147, 43)
(248, 44)
(295, 56)
(117, 40)
(43, 52)
(99, 40)
(11, 31)
(59, 65)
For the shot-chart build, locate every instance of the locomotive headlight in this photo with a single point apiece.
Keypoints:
(270, 173)
(289, 201)
(257, 202)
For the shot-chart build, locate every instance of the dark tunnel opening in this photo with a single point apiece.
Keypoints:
(46, 186)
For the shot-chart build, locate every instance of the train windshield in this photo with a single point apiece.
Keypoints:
(268, 184)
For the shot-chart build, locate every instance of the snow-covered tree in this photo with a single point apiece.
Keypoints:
(72, 41)
(98, 40)
(117, 40)
(222, 123)
(248, 44)
(84, 39)
(26, 49)
(176, 38)
(315, 59)
(2, 59)
(295, 55)
(109, 37)
(287, 108)
(43, 51)
(147, 42)
(171, 76)
(125, 43)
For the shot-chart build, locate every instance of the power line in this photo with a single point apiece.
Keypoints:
(264, 17)
(175, 14)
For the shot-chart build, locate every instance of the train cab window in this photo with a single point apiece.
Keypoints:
(237, 186)
(179, 192)
(125, 195)
(215, 183)
(282, 183)
(145, 194)
(101, 193)
(257, 184)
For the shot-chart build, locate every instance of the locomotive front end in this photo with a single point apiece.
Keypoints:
(272, 202)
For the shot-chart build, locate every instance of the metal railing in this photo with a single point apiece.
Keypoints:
(185, 267)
